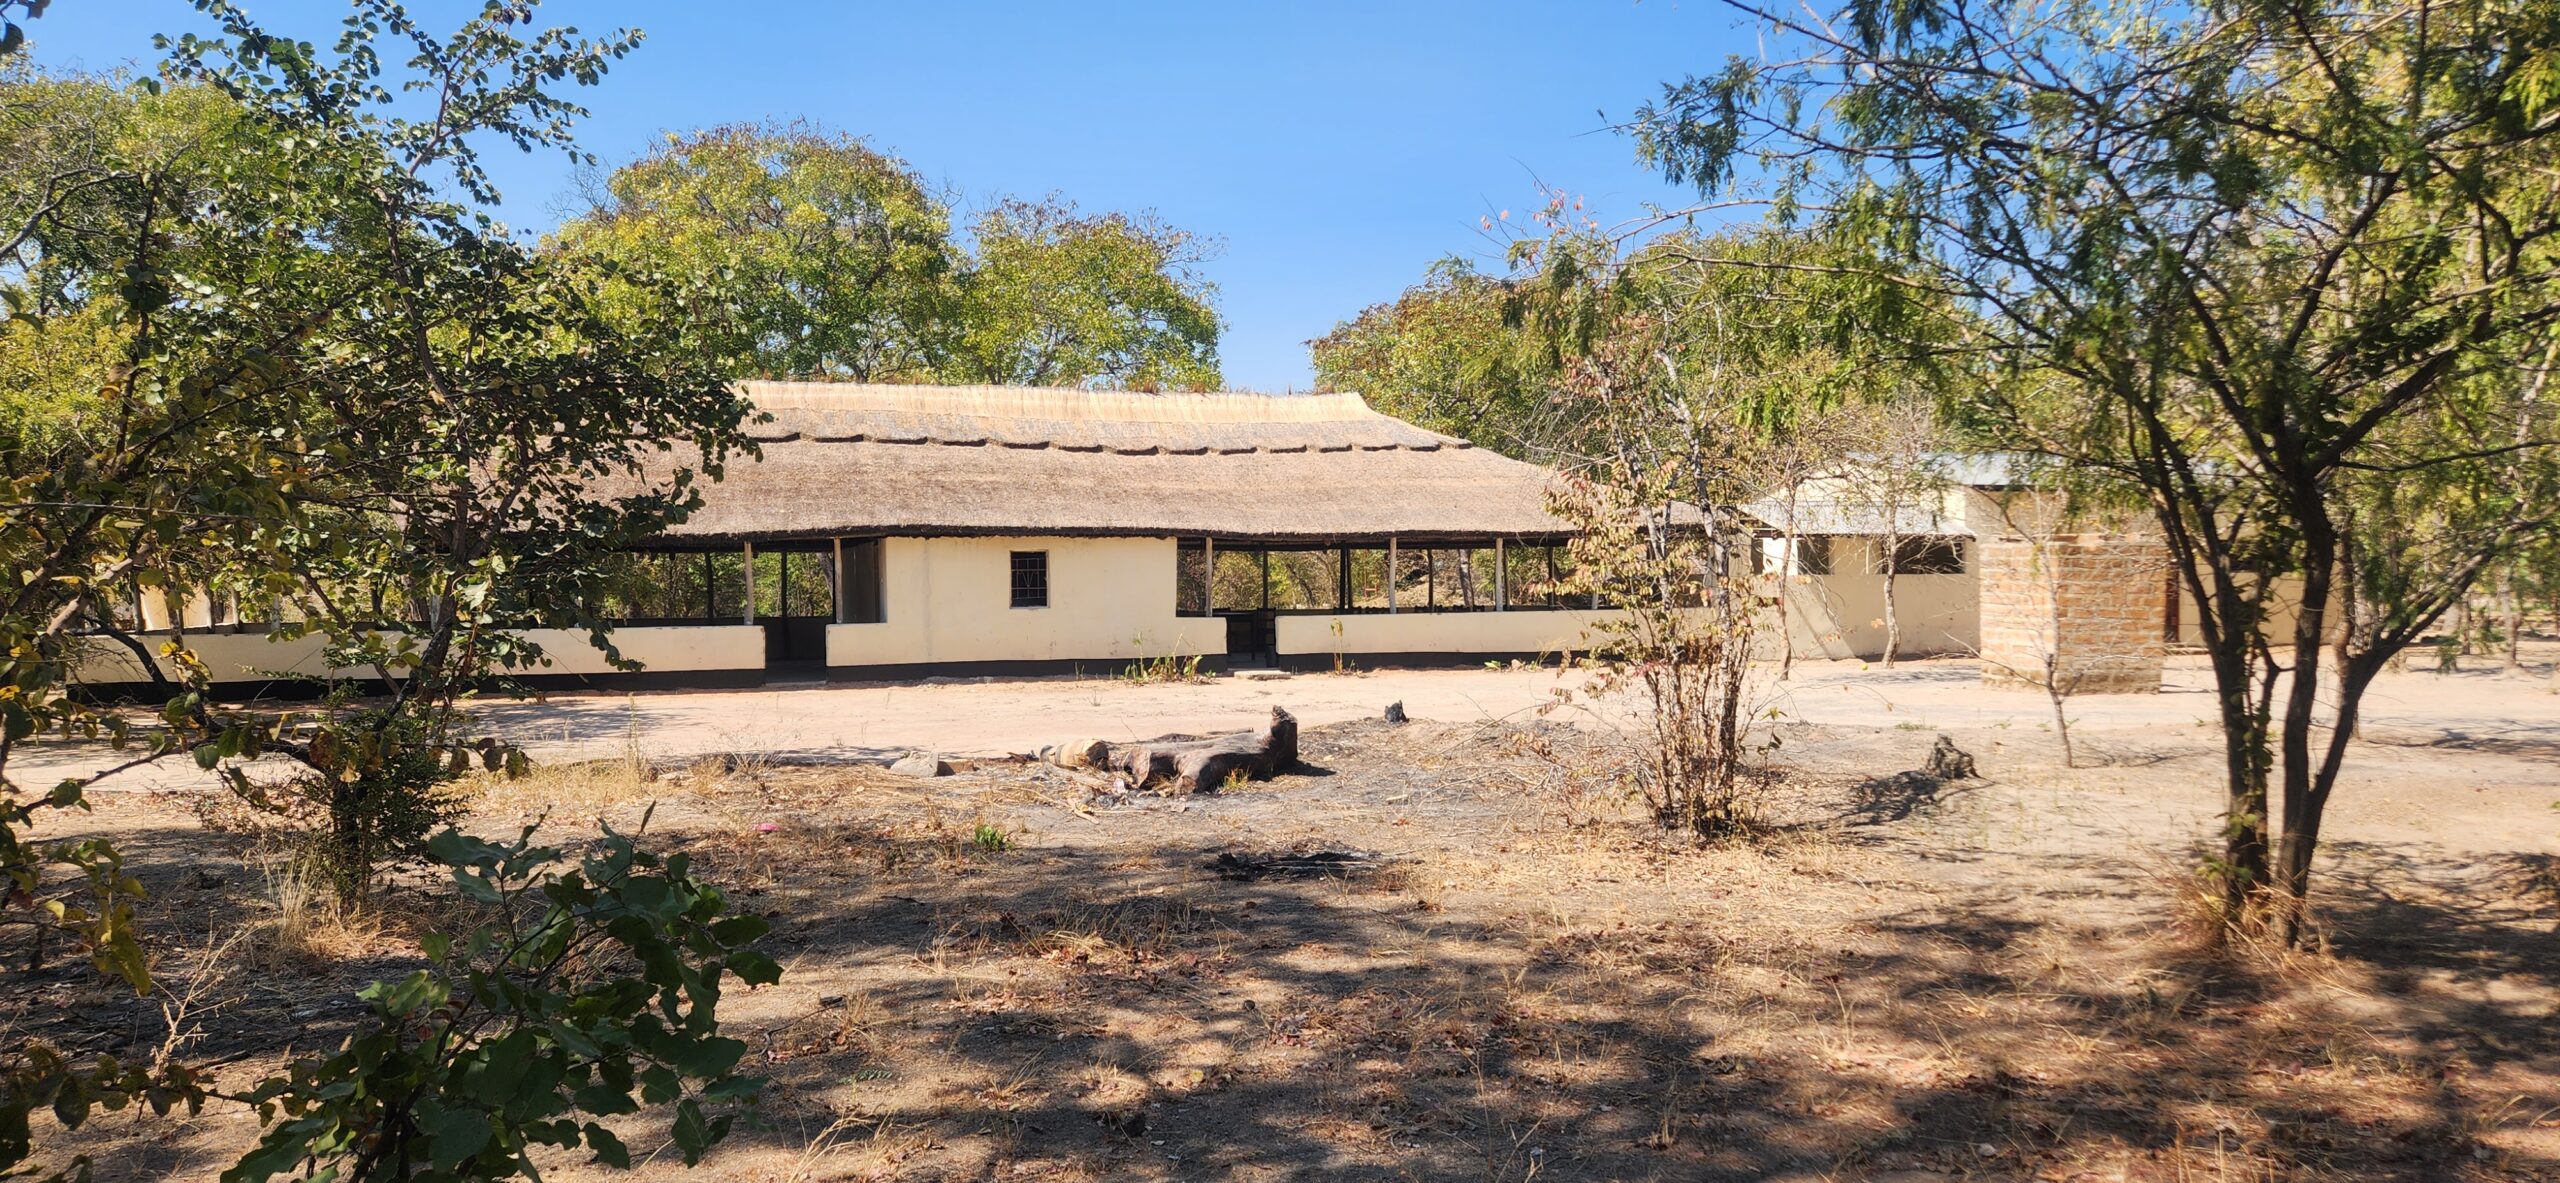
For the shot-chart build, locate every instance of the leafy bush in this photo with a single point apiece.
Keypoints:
(588, 994)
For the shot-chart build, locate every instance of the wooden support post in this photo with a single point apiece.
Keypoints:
(1501, 580)
(750, 581)
(1391, 574)
(839, 581)
(1208, 576)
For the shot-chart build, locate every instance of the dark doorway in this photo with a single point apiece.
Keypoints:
(1253, 638)
(795, 589)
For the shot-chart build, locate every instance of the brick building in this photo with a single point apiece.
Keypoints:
(2090, 611)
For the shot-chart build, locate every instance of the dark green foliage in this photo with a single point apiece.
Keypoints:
(588, 995)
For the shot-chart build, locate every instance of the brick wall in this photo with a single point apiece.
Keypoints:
(2100, 605)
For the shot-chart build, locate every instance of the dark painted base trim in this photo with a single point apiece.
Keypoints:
(648, 680)
(301, 690)
(1091, 667)
(1323, 662)
(1106, 667)
(134, 693)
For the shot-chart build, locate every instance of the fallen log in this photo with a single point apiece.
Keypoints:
(1208, 763)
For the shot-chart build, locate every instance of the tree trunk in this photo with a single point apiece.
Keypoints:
(2515, 616)
(1892, 623)
(2245, 761)
(2061, 719)
(1788, 563)
(2300, 834)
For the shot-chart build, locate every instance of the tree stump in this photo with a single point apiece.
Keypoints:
(1949, 762)
(1208, 763)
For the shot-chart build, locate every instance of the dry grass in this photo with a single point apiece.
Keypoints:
(305, 928)
(1516, 980)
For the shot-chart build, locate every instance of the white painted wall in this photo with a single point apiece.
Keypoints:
(950, 600)
(1551, 631)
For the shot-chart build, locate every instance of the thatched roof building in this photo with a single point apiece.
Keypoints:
(845, 459)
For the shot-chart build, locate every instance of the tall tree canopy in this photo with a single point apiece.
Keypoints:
(1483, 356)
(2285, 258)
(1450, 354)
(835, 260)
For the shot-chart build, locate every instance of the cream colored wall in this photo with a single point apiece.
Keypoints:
(2284, 612)
(659, 649)
(1437, 632)
(259, 657)
(949, 600)
(1842, 616)
(231, 657)
(1829, 616)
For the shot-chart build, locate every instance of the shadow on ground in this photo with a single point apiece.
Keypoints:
(1492, 998)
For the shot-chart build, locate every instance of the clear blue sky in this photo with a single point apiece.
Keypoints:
(1337, 149)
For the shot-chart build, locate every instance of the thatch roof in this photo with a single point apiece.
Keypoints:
(845, 458)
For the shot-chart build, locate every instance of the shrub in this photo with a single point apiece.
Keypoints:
(587, 994)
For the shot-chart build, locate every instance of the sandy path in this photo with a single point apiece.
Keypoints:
(992, 718)
(2484, 710)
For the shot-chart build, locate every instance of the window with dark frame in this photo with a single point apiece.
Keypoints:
(1929, 556)
(1813, 554)
(1031, 579)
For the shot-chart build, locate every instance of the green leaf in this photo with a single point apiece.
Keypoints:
(281, 1153)
(609, 1149)
(604, 1100)
(739, 929)
(754, 968)
(692, 1133)
(417, 992)
(456, 1136)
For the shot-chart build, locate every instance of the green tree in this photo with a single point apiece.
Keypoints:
(1461, 352)
(822, 257)
(1053, 297)
(275, 342)
(491, 434)
(832, 260)
(1449, 354)
(2276, 251)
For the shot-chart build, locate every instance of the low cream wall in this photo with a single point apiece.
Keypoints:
(659, 649)
(230, 657)
(1842, 616)
(950, 600)
(259, 657)
(1438, 632)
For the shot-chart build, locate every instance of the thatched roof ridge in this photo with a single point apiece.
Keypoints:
(1104, 420)
(848, 458)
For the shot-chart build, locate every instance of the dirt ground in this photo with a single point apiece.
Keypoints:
(1443, 951)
